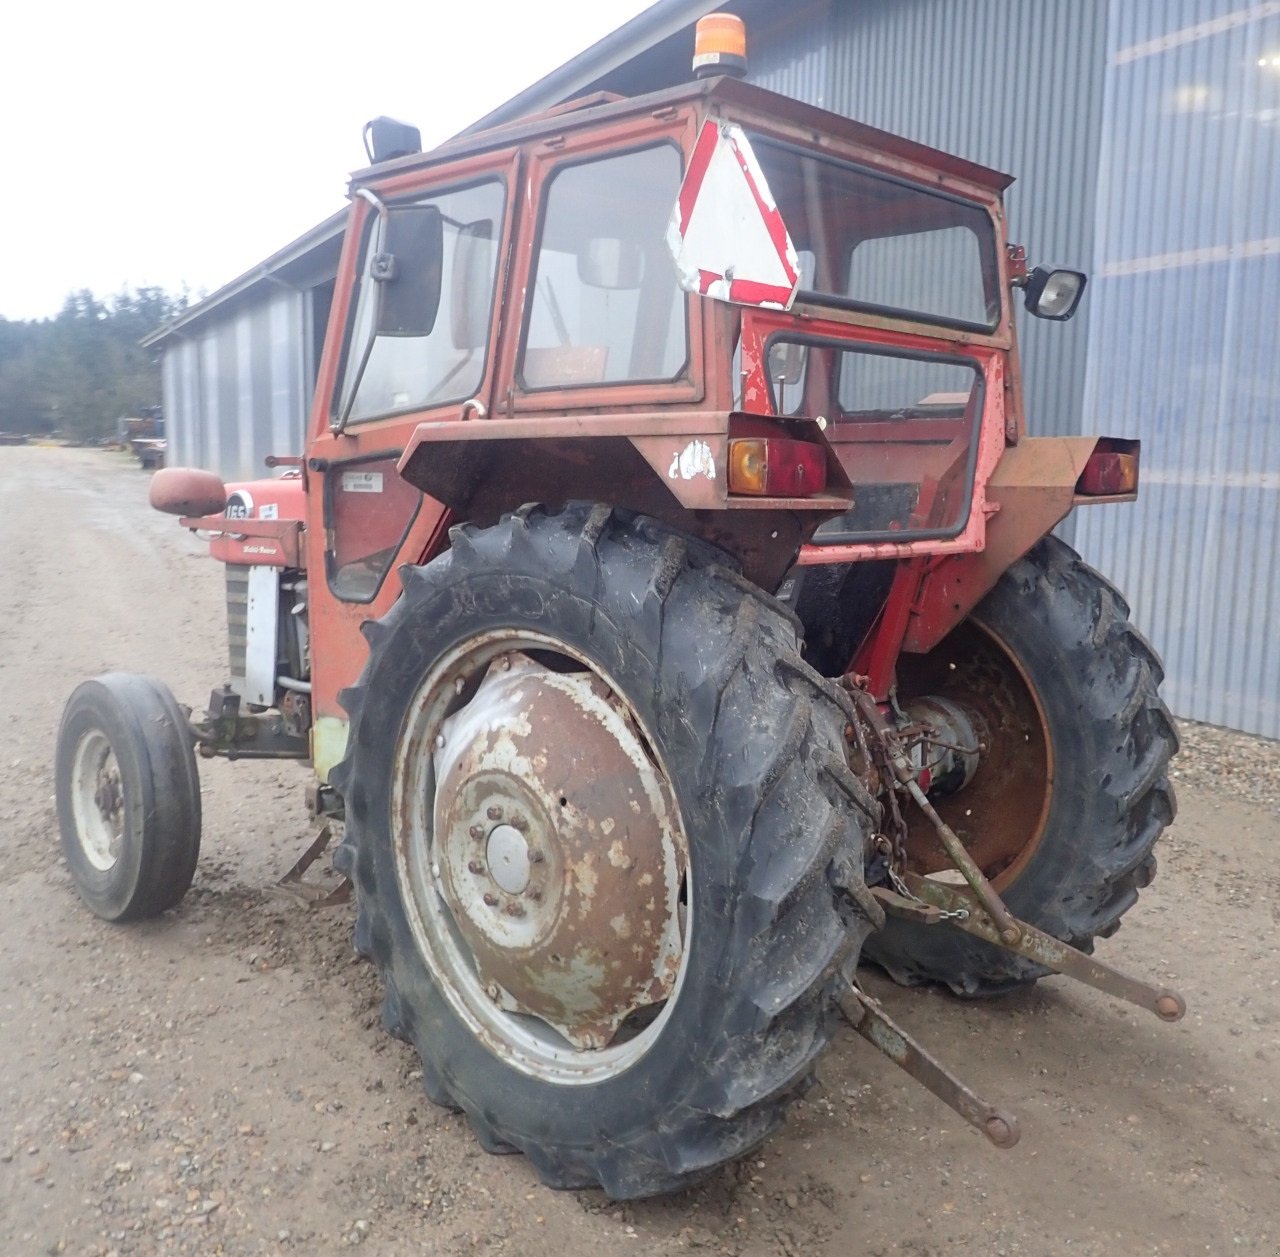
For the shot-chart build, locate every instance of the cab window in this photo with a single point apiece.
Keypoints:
(385, 374)
(605, 305)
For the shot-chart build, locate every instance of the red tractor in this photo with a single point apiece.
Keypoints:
(667, 605)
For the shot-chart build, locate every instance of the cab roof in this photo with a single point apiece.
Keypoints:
(806, 121)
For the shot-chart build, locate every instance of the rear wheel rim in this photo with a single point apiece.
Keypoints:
(97, 800)
(445, 842)
(1002, 814)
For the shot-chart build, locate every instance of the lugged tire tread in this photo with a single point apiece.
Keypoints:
(797, 936)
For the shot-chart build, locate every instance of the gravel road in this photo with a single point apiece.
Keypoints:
(218, 1081)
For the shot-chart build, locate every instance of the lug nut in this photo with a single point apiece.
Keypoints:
(491, 899)
(536, 856)
(494, 813)
(514, 910)
(518, 821)
(534, 894)
(474, 866)
(476, 831)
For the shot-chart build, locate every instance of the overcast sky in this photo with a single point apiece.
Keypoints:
(167, 143)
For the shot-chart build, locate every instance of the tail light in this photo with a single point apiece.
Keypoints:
(1108, 473)
(776, 467)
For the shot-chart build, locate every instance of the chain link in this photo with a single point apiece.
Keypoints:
(944, 914)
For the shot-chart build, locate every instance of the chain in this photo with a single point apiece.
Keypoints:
(879, 754)
(944, 914)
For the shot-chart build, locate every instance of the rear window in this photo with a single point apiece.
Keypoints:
(883, 244)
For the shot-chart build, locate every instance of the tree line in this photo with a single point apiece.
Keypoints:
(75, 374)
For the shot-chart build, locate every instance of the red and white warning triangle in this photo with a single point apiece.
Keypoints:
(726, 233)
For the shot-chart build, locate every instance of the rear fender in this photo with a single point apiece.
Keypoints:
(1033, 488)
(671, 465)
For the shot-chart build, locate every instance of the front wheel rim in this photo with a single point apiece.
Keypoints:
(97, 800)
(493, 867)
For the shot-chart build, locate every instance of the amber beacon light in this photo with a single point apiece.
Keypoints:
(720, 45)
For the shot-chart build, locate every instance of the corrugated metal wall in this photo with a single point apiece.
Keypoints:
(1009, 83)
(236, 388)
(1183, 346)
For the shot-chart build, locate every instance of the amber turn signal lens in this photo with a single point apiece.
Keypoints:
(776, 467)
(720, 45)
(1108, 474)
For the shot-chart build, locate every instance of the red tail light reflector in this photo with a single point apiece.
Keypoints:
(1108, 474)
(776, 467)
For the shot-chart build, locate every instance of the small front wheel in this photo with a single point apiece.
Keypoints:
(128, 796)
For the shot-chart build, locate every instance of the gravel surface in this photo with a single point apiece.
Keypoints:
(1221, 759)
(218, 1081)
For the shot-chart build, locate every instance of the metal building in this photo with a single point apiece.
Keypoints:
(1145, 135)
(239, 368)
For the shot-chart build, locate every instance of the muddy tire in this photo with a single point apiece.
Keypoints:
(1108, 739)
(747, 739)
(128, 796)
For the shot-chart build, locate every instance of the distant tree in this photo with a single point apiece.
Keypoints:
(82, 369)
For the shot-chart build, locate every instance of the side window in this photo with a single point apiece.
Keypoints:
(386, 374)
(368, 511)
(605, 305)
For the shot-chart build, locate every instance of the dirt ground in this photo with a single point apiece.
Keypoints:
(218, 1081)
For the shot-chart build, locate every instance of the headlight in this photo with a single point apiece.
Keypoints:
(1053, 293)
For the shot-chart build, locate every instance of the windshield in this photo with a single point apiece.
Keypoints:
(883, 244)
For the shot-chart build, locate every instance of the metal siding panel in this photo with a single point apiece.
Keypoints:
(1012, 85)
(224, 438)
(264, 441)
(210, 413)
(1186, 303)
(290, 376)
(247, 466)
(170, 397)
(794, 57)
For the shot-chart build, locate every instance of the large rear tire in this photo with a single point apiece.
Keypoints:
(768, 825)
(1073, 790)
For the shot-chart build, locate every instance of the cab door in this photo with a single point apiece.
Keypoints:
(380, 378)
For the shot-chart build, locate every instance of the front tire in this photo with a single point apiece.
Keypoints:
(703, 672)
(128, 796)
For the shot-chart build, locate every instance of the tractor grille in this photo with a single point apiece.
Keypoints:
(237, 616)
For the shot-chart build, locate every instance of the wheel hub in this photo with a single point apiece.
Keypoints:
(97, 798)
(556, 850)
(507, 854)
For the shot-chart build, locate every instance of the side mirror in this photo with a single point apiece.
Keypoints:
(1052, 293)
(606, 262)
(787, 362)
(408, 270)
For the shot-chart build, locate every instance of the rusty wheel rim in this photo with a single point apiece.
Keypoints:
(541, 857)
(1002, 813)
(97, 800)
